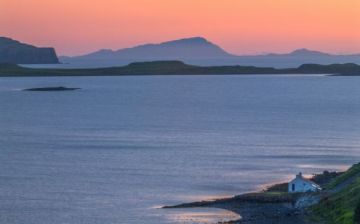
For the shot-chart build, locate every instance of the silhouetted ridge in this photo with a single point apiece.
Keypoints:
(180, 68)
(192, 40)
(194, 48)
(306, 52)
(157, 63)
(12, 51)
(344, 69)
(202, 52)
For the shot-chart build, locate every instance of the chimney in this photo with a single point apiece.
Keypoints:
(299, 175)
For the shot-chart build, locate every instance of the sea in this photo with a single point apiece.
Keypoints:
(122, 147)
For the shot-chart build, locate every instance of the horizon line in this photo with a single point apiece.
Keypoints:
(189, 38)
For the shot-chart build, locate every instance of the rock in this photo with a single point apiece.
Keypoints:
(307, 200)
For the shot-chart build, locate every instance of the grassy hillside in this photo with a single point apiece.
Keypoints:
(339, 206)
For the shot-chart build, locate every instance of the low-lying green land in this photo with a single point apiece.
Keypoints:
(343, 199)
(178, 68)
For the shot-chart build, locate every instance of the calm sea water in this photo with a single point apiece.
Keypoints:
(122, 146)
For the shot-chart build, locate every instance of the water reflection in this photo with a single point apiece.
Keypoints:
(201, 215)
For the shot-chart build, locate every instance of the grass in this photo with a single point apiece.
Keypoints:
(282, 187)
(339, 207)
(274, 193)
(354, 170)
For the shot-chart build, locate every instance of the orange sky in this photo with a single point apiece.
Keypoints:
(240, 26)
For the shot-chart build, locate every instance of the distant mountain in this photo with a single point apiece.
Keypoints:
(189, 49)
(306, 52)
(301, 53)
(199, 51)
(12, 51)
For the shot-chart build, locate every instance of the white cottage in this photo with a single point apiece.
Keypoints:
(301, 184)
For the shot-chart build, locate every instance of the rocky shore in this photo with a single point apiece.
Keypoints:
(272, 205)
(261, 208)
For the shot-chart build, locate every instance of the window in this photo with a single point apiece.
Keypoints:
(293, 187)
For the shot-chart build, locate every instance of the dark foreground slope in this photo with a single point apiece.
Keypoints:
(179, 68)
(12, 51)
(339, 207)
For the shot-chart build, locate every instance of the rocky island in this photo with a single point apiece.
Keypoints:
(58, 88)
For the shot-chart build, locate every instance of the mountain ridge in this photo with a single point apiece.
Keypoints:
(297, 51)
(200, 51)
(186, 47)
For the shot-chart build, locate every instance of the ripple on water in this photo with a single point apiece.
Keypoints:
(201, 215)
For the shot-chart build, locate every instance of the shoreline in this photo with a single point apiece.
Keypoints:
(256, 208)
(270, 205)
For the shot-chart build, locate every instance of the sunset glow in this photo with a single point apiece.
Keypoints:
(76, 27)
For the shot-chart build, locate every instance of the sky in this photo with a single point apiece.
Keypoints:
(76, 27)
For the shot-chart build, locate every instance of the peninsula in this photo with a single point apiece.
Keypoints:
(337, 203)
(179, 68)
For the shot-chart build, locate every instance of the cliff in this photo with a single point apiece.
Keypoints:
(12, 51)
